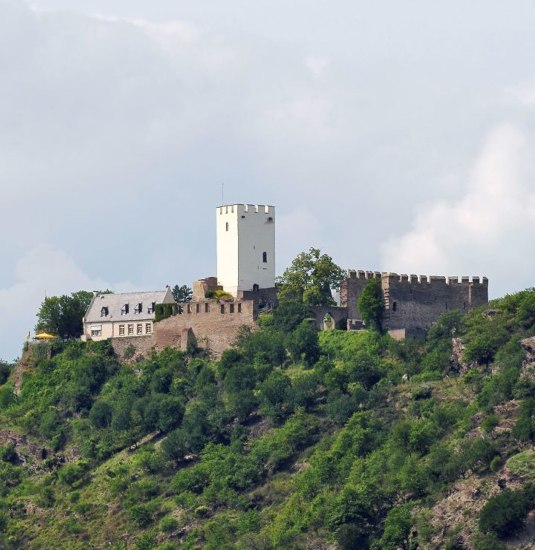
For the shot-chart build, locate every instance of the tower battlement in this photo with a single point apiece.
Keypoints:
(246, 209)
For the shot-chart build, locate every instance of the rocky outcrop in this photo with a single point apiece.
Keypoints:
(527, 373)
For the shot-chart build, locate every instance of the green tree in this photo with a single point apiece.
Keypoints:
(310, 279)
(303, 344)
(62, 315)
(371, 305)
(182, 293)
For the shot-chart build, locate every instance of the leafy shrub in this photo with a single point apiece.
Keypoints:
(490, 422)
(168, 524)
(504, 514)
(397, 529)
(71, 473)
(141, 515)
(525, 424)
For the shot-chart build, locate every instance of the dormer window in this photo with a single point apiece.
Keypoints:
(151, 308)
(125, 309)
(138, 308)
(104, 311)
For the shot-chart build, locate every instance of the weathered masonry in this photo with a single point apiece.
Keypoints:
(208, 324)
(413, 302)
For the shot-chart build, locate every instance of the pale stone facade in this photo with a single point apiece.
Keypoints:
(127, 315)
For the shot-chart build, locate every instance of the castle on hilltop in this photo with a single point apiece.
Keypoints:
(245, 285)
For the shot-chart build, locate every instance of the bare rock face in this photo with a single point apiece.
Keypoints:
(457, 363)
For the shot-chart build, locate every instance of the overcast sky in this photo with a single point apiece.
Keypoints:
(396, 136)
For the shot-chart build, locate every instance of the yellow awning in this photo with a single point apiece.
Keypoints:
(45, 336)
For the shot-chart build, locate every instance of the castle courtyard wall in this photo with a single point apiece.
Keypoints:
(212, 325)
(414, 303)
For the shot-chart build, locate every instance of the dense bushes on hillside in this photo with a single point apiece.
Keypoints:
(291, 439)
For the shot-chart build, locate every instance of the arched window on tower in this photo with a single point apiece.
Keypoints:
(226, 226)
(264, 257)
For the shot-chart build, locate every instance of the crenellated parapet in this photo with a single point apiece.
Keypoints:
(413, 302)
(246, 209)
(361, 274)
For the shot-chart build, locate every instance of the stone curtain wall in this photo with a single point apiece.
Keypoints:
(214, 325)
(414, 303)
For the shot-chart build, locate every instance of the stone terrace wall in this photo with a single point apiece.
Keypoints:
(142, 345)
(214, 324)
(414, 302)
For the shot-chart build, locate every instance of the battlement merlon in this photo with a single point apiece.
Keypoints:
(243, 209)
(418, 279)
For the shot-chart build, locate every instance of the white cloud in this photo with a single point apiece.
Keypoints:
(43, 271)
(488, 230)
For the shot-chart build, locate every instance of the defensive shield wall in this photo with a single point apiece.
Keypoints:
(414, 302)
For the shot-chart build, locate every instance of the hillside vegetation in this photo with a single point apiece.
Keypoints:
(292, 439)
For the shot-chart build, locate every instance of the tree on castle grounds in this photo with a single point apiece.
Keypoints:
(310, 279)
(371, 305)
(182, 293)
(62, 315)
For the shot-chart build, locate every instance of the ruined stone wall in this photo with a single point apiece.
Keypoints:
(264, 297)
(339, 315)
(142, 346)
(414, 302)
(214, 324)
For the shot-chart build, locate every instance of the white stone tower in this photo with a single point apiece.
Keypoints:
(245, 247)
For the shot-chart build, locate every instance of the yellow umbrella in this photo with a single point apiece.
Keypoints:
(45, 336)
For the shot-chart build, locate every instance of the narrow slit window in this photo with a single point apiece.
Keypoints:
(222, 308)
(239, 308)
(394, 306)
(264, 257)
(226, 226)
(231, 307)
(206, 308)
